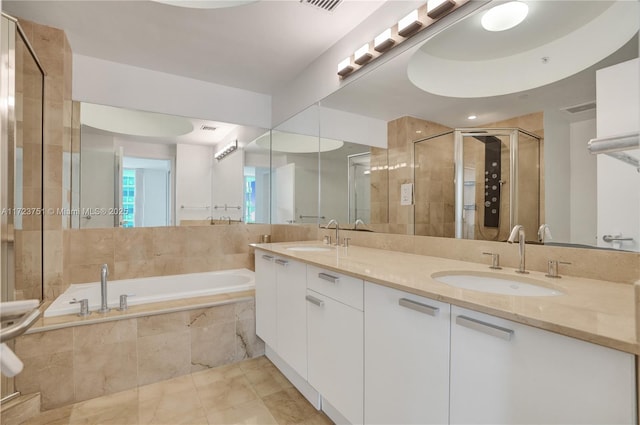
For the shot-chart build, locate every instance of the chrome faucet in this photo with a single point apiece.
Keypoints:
(104, 272)
(544, 232)
(518, 230)
(334, 221)
(358, 221)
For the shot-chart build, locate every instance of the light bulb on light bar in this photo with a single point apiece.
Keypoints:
(362, 55)
(383, 41)
(344, 67)
(409, 24)
(226, 150)
(437, 8)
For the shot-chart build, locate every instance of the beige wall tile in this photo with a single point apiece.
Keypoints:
(88, 336)
(44, 343)
(104, 368)
(248, 344)
(51, 375)
(204, 317)
(91, 246)
(163, 356)
(163, 323)
(212, 346)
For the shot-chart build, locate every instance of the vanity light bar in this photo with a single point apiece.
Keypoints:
(362, 55)
(408, 26)
(437, 8)
(383, 41)
(344, 67)
(226, 150)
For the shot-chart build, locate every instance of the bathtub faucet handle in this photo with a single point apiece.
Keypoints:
(84, 306)
(123, 301)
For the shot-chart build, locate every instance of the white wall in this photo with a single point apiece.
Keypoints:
(354, 128)
(583, 181)
(147, 90)
(193, 182)
(228, 185)
(97, 171)
(618, 112)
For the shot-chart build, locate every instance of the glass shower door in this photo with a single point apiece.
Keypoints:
(359, 176)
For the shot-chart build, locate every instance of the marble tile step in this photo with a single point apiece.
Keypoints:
(20, 409)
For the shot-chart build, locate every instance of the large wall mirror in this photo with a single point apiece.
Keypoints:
(484, 129)
(142, 169)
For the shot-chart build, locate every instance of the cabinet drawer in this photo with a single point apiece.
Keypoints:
(346, 289)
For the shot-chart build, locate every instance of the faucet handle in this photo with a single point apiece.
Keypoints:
(327, 239)
(552, 270)
(123, 301)
(84, 306)
(345, 242)
(495, 260)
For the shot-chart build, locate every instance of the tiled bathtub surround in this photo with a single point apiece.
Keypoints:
(83, 362)
(161, 251)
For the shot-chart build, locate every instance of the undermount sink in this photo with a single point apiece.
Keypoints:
(309, 248)
(495, 283)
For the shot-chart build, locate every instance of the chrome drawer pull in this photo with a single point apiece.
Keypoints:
(488, 328)
(415, 305)
(314, 300)
(282, 262)
(328, 277)
(267, 257)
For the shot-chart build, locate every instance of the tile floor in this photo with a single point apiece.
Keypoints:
(249, 392)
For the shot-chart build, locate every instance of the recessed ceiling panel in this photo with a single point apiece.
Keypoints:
(556, 41)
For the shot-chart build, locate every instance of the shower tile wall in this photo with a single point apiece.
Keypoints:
(401, 133)
(83, 362)
(54, 52)
(434, 207)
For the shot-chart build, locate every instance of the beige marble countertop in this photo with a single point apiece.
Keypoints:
(592, 310)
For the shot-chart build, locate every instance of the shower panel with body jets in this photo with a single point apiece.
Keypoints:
(476, 183)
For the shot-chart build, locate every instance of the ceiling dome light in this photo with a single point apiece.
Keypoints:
(505, 16)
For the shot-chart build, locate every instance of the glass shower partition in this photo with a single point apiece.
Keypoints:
(477, 183)
(21, 171)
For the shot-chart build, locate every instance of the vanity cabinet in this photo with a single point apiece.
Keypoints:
(266, 299)
(406, 363)
(291, 315)
(335, 340)
(505, 372)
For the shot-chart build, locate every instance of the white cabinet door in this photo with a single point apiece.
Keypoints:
(406, 358)
(336, 354)
(291, 277)
(508, 373)
(266, 299)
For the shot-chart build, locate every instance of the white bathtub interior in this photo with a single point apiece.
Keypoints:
(153, 289)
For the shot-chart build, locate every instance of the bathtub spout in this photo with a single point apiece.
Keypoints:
(104, 272)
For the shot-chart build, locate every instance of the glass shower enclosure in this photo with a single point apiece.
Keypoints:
(477, 183)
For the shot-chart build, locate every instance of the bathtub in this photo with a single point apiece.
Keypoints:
(153, 289)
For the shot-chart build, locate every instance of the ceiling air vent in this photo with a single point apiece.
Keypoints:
(208, 128)
(580, 108)
(328, 5)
